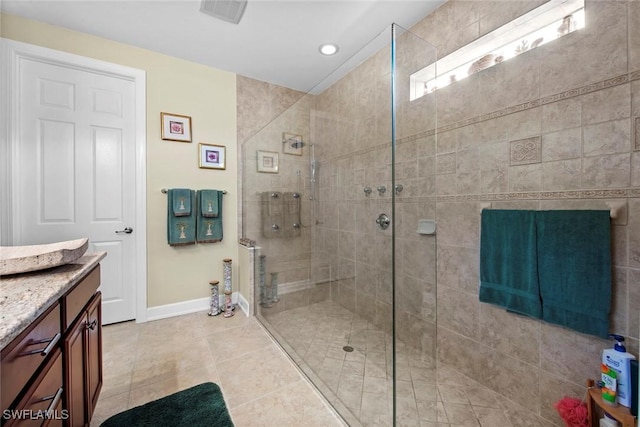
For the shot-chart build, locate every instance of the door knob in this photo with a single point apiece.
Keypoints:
(127, 230)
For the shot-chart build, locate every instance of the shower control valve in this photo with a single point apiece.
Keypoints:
(383, 221)
(382, 189)
(275, 227)
(367, 190)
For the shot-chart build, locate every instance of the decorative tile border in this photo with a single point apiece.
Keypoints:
(594, 87)
(571, 93)
(544, 195)
(525, 151)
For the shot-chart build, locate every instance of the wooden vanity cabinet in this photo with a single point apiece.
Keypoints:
(55, 364)
(83, 363)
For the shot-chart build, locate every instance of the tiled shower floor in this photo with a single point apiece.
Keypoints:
(361, 380)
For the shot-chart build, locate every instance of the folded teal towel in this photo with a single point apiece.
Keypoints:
(209, 228)
(574, 257)
(508, 261)
(208, 202)
(181, 201)
(181, 230)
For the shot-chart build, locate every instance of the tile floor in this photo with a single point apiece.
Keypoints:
(261, 386)
(359, 383)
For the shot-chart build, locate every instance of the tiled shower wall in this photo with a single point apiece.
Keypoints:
(265, 111)
(554, 128)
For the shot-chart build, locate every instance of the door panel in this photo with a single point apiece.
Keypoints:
(76, 169)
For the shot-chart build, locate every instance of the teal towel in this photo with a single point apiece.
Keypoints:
(181, 202)
(208, 202)
(181, 230)
(574, 256)
(210, 228)
(508, 261)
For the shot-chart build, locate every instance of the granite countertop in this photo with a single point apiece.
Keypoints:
(24, 297)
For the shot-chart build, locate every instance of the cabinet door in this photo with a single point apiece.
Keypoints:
(94, 352)
(74, 364)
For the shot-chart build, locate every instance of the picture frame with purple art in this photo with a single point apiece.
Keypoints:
(212, 156)
(175, 127)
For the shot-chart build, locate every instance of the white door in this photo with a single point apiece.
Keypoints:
(74, 169)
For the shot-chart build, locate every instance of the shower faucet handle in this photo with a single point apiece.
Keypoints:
(382, 189)
(367, 190)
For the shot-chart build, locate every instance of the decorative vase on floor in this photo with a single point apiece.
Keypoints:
(215, 298)
(226, 274)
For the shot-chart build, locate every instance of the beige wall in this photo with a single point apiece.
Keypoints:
(176, 86)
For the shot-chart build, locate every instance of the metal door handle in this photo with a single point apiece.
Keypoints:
(127, 230)
(91, 325)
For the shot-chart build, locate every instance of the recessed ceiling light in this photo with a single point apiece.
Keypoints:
(328, 49)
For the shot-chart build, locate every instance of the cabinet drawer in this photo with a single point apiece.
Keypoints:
(42, 403)
(27, 352)
(75, 300)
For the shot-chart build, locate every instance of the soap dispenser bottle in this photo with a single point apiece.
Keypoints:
(619, 360)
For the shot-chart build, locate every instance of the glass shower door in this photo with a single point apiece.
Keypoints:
(349, 293)
(414, 239)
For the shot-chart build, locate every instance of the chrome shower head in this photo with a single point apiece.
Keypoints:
(294, 141)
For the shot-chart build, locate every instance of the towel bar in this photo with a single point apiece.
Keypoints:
(164, 191)
(616, 210)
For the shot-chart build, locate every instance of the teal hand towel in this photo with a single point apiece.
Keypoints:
(209, 228)
(181, 230)
(508, 261)
(208, 202)
(574, 256)
(181, 201)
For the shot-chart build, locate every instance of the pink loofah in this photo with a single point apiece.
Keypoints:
(573, 412)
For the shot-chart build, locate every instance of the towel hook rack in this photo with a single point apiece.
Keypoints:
(164, 191)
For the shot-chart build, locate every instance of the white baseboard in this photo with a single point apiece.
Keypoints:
(243, 304)
(193, 306)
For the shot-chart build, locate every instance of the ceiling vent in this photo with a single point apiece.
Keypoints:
(227, 10)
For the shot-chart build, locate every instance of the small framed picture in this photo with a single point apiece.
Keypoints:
(175, 127)
(212, 156)
(267, 162)
(292, 143)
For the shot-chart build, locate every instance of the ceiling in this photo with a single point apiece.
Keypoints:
(275, 41)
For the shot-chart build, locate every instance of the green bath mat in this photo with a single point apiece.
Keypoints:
(199, 406)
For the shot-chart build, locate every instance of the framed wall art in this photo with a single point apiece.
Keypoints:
(267, 162)
(175, 127)
(212, 156)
